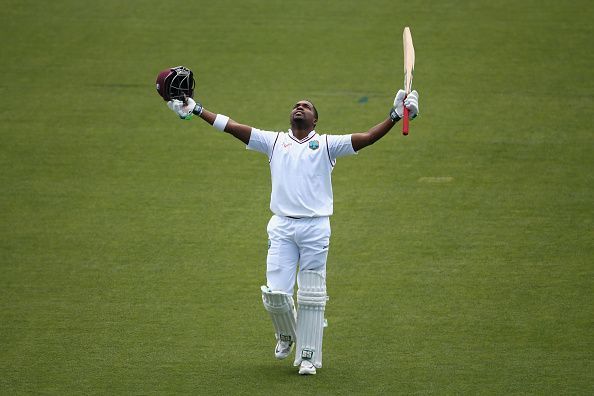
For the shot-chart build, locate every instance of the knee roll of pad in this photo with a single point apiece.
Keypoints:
(281, 308)
(311, 299)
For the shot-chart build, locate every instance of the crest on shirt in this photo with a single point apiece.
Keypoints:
(314, 144)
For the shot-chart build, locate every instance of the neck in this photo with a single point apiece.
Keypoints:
(299, 131)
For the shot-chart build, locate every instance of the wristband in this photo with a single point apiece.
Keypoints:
(198, 109)
(220, 122)
(394, 115)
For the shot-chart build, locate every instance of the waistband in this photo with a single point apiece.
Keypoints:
(304, 218)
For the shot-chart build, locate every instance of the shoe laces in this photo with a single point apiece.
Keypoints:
(283, 345)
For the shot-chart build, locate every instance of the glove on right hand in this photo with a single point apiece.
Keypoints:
(183, 110)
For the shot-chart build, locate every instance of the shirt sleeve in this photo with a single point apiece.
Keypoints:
(339, 146)
(262, 141)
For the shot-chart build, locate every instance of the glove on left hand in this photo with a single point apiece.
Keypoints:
(399, 103)
(412, 104)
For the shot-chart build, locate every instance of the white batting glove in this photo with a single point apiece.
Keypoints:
(183, 110)
(399, 103)
(412, 104)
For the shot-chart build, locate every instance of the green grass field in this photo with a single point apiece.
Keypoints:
(133, 244)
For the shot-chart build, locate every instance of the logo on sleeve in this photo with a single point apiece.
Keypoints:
(314, 144)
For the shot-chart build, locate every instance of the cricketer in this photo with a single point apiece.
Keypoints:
(301, 162)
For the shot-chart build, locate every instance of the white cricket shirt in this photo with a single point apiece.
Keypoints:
(301, 170)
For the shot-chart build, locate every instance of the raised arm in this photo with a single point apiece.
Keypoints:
(219, 121)
(240, 131)
(364, 139)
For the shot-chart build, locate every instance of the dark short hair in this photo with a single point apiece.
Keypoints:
(314, 108)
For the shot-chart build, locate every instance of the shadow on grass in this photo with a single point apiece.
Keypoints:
(284, 371)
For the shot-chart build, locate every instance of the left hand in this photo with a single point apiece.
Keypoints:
(399, 103)
(412, 104)
(183, 110)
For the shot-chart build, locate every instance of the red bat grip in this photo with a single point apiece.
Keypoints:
(405, 122)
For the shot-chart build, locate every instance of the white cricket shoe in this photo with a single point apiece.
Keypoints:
(283, 349)
(306, 368)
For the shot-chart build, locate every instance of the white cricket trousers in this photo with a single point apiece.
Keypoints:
(293, 242)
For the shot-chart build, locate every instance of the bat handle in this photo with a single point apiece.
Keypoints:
(405, 122)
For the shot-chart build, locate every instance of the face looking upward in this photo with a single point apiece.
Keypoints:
(304, 115)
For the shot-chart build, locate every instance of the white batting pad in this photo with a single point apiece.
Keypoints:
(311, 298)
(282, 312)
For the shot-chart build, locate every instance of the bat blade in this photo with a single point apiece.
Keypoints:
(409, 66)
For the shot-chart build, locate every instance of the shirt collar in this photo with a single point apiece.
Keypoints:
(309, 135)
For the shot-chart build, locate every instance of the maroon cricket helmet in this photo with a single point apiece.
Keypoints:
(176, 83)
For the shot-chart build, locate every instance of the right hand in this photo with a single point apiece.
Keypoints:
(183, 110)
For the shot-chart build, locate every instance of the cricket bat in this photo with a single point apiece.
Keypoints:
(409, 66)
